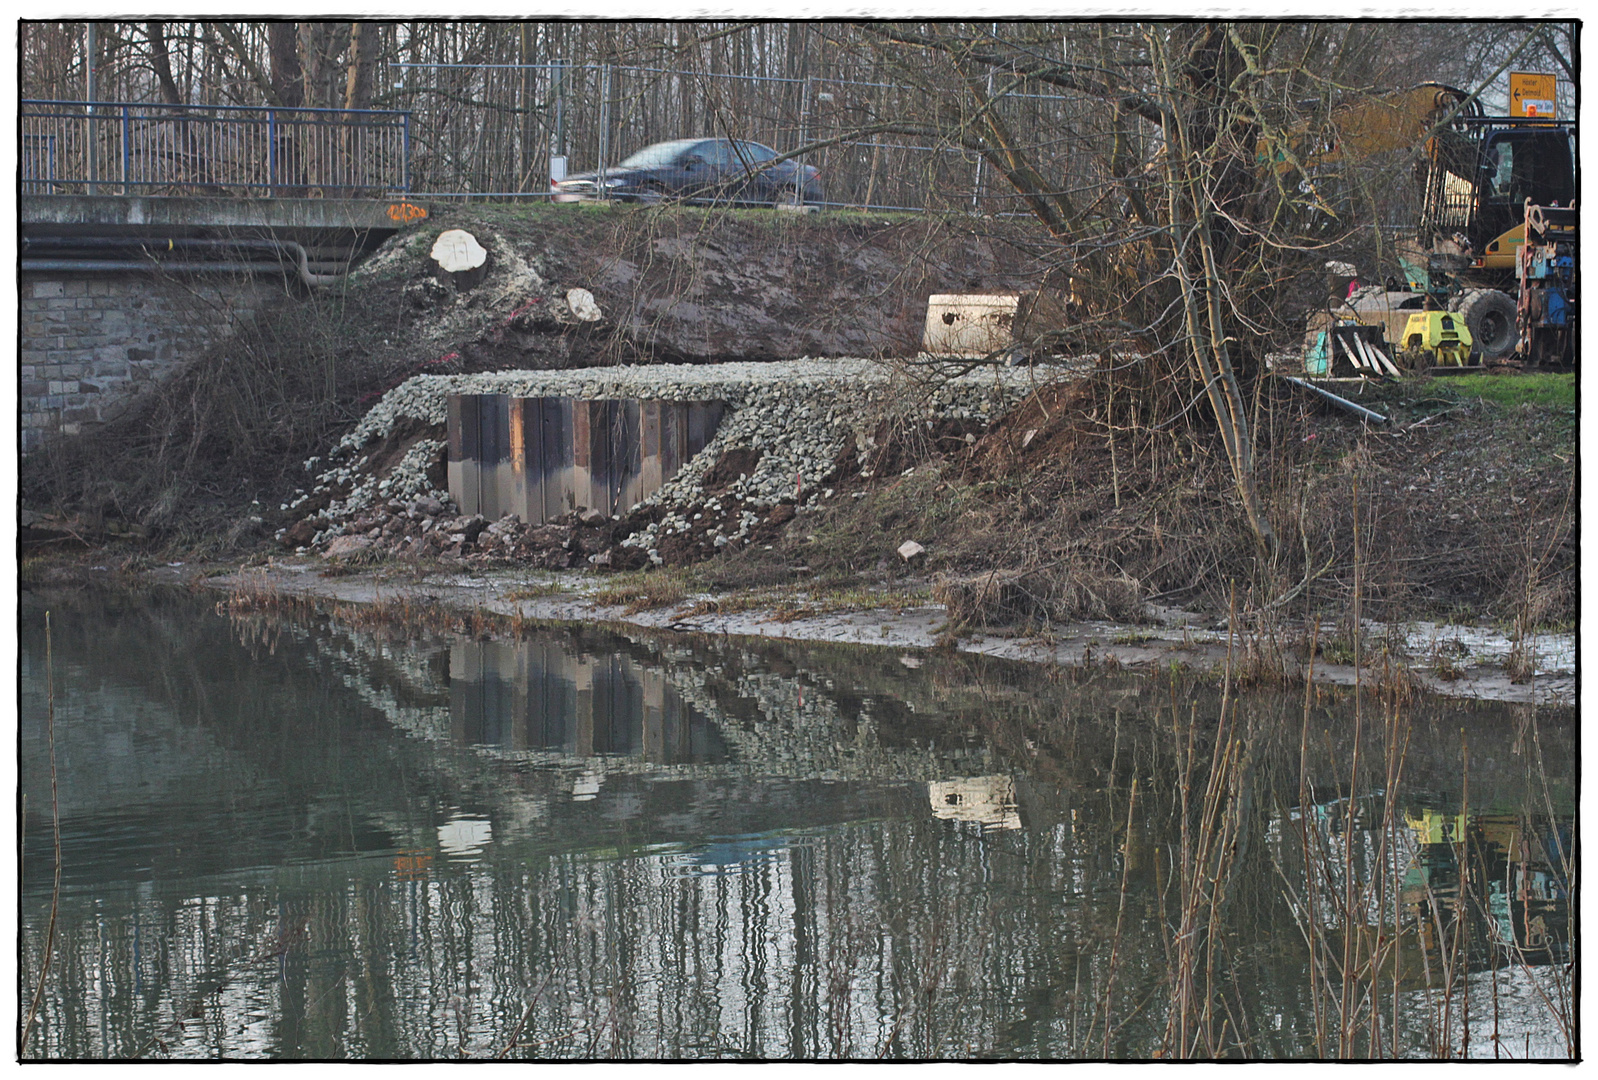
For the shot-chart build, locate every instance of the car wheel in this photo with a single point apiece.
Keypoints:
(787, 199)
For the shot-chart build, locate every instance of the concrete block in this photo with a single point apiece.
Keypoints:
(75, 288)
(61, 304)
(47, 289)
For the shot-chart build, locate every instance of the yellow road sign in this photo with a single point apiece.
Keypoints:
(1532, 94)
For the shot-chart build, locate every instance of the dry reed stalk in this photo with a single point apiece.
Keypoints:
(55, 831)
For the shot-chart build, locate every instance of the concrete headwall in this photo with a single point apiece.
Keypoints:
(87, 341)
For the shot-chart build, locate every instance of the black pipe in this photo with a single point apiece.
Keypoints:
(125, 265)
(152, 246)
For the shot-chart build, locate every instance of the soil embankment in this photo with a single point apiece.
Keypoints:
(1033, 516)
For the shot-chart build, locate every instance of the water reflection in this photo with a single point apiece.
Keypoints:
(296, 839)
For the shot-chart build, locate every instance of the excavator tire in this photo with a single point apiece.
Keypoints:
(1490, 317)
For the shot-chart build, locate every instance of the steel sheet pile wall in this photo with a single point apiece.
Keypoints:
(539, 696)
(543, 457)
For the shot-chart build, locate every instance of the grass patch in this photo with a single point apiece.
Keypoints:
(1549, 390)
(536, 589)
(786, 606)
(640, 590)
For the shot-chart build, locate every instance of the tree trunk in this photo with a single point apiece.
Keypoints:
(161, 60)
(288, 89)
(1196, 107)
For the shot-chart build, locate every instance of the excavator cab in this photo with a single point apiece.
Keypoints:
(1518, 164)
(1481, 175)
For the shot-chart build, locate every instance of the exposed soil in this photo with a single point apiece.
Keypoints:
(1459, 509)
(228, 436)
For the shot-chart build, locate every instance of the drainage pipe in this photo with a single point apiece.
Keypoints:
(150, 248)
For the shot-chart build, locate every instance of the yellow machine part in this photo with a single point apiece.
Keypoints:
(1442, 333)
(1502, 251)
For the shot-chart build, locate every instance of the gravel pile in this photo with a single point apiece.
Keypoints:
(790, 429)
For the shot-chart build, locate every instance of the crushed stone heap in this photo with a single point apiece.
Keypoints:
(789, 430)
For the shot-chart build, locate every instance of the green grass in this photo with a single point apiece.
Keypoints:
(1545, 389)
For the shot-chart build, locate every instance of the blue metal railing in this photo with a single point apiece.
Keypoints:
(124, 148)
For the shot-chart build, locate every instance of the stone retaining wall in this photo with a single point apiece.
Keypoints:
(87, 341)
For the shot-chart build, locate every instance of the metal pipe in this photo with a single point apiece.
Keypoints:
(311, 278)
(1341, 402)
(124, 265)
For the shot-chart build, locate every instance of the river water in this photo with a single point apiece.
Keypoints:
(296, 837)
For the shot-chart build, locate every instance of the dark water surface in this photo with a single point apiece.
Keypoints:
(290, 838)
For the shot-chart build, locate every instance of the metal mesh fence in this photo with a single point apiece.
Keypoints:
(492, 130)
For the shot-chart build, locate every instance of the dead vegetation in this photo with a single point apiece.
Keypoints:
(1058, 513)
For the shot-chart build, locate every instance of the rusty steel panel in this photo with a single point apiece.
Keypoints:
(557, 481)
(541, 458)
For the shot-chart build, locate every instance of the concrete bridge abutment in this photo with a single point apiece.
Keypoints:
(116, 293)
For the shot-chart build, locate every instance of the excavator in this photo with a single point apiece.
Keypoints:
(1469, 286)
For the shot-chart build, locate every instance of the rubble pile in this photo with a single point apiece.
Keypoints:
(790, 431)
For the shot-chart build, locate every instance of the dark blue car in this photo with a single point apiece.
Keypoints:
(700, 170)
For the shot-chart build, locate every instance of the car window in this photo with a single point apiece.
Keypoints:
(753, 151)
(656, 156)
(716, 152)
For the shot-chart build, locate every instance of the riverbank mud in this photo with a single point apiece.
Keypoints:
(1452, 660)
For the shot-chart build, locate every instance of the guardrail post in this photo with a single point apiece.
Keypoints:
(271, 152)
(405, 153)
(804, 135)
(91, 150)
(126, 149)
(604, 127)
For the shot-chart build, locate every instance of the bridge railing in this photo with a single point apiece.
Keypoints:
(121, 148)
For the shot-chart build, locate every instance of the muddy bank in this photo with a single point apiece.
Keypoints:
(190, 460)
(1451, 660)
(1029, 500)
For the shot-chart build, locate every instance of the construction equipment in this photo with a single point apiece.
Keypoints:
(1480, 174)
(1546, 315)
(1347, 349)
(1438, 334)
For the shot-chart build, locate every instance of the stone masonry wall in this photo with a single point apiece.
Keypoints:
(88, 341)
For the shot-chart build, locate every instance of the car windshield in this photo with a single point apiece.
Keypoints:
(656, 156)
